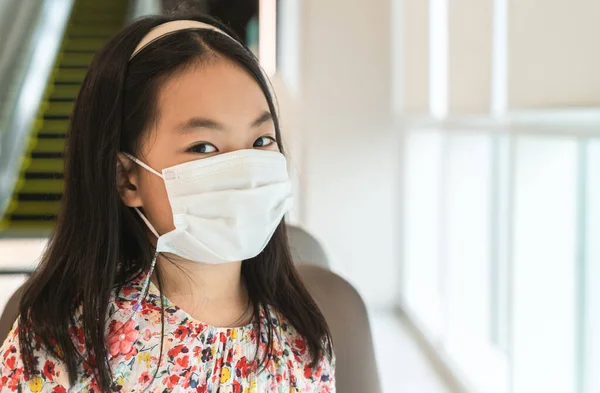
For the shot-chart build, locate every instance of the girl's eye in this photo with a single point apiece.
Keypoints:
(203, 148)
(264, 141)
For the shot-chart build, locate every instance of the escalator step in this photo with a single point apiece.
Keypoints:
(40, 197)
(77, 28)
(50, 135)
(74, 44)
(54, 99)
(36, 154)
(75, 59)
(63, 75)
(42, 186)
(50, 125)
(50, 145)
(32, 217)
(46, 165)
(80, 52)
(74, 67)
(64, 91)
(44, 175)
(77, 84)
(108, 11)
(59, 108)
(100, 19)
(57, 117)
(44, 208)
(32, 228)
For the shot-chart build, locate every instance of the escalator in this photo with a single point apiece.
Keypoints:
(34, 206)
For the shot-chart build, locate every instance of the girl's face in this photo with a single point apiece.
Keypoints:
(208, 109)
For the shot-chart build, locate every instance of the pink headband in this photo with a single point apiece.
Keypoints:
(171, 27)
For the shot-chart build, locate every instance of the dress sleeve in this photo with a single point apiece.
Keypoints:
(51, 375)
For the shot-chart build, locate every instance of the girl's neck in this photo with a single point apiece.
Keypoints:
(213, 294)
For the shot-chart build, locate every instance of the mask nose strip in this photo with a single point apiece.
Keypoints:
(170, 175)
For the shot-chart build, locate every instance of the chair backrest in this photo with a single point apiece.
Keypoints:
(346, 314)
(10, 313)
(305, 248)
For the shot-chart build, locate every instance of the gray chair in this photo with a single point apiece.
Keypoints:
(305, 248)
(345, 312)
(342, 306)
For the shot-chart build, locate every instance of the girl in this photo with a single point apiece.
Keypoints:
(169, 268)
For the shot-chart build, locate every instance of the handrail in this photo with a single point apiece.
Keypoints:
(37, 44)
(15, 29)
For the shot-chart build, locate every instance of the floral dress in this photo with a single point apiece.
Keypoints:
(195, 357)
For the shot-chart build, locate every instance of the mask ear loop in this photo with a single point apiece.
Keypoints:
(143, 164)
(146, 286)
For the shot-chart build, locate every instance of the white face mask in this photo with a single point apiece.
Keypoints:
(226, 207)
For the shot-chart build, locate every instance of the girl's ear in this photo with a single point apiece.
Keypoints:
(127, 180)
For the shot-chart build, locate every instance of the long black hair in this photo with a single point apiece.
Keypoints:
(98, 243)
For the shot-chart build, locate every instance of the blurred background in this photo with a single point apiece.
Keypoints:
(445, 154)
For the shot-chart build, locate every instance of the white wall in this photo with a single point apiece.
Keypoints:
(553, 53)
(469, 59)
(349, 151)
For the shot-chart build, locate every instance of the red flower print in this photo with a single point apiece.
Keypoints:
(129, 290)
(122, 339)
(300, 345)
(13, 384)
(77, 333)
(59, 389)
(307, 371)
(183, 361)
(171, 381)
(49, 371)
(11, 362)
(176, 350)
(319, 371)
(198, 328)
(181, 332)
(201, 388)
(218, 364)
(242, 368)
(131, 353)
(237, 388)
(144, 378)
(197, 351)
